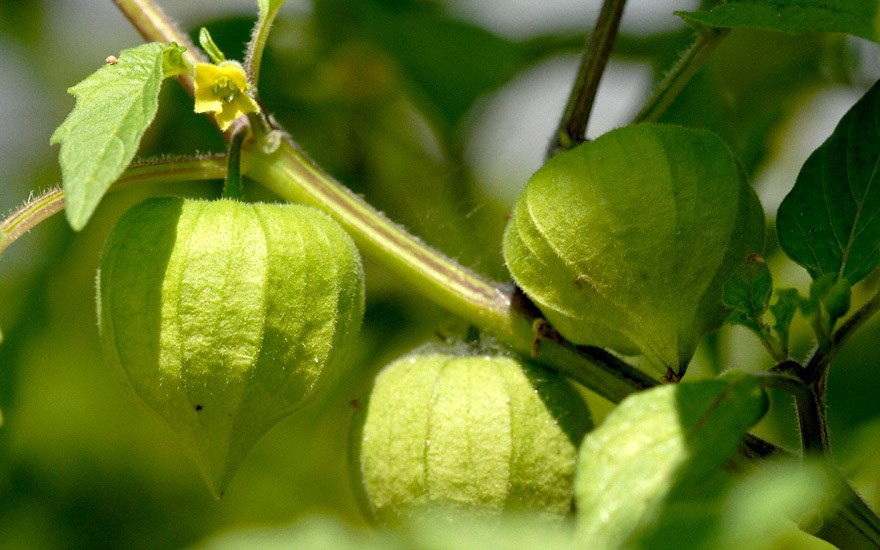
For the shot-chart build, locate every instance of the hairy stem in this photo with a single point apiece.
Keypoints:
(493, 307)
(257, 44)
(573, 126)
(814, 375)
(498, 308)
(232, 183)
(32, 213)
(154, 25)
(681, 73)
(42, 207)
(810, 407)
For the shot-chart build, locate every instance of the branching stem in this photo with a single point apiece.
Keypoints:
(690, 62)
(257, 44)
(814, 376)
(154, 25)
(232, 183)
(495, 307)
(42, 207)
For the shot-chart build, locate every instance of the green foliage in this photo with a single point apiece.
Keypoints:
(625, 241)
(223, 354)
(828, 222)
(101, 135)
(747, 293)
(786, 305)
(382, 94)
(760, 510)
(743, 94)
(447, 62)
(856, 17)
(654, 446)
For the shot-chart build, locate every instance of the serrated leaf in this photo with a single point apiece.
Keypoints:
(99, 138)
(787, 302)
(830, 221)
(856, 17)
(747, 292)
(655, 441)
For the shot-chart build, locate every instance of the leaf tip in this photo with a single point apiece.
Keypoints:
(78, 214)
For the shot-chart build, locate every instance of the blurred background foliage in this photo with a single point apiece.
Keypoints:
(436, 112)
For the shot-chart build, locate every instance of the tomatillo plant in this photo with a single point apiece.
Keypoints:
(613, 279)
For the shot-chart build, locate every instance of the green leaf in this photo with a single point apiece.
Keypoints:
(744, 95)
(783, 310)
(856, 17)
(655, 441)
(759, 510)
(831, 296)
(830, 221)
(752, 511)
(837, 301)
(747, 292)
(114, 106)
(449, 63)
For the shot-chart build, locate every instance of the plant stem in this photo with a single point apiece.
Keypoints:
(38, 209)
(31, 214)
(856, 320)
(810, 407)
(817, 366)
(573, 126)
(154, 25)
(498, 308)
(814, 375)
(494, 307)
(232, 182)
(257, 44)
(681, 73)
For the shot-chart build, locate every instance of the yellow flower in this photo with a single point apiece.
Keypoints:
(222, 90)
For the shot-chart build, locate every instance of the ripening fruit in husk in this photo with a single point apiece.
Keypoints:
(225, 317)
(625, 242)
(452, 433)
